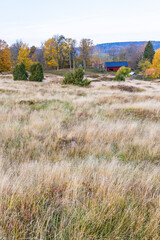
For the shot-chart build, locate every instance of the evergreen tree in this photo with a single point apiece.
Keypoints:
(149, 52)
(76, 78)
(36, 73)
(19, 72)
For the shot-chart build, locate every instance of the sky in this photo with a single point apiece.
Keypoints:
(103, 21)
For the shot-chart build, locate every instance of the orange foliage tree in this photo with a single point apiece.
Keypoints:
(5, 57)
(150, 71)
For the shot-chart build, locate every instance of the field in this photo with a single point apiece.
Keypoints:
(79, 163)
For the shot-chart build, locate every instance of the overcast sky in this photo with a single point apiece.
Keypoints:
(34, 21)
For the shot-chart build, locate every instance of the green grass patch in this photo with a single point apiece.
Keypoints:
(60, 72)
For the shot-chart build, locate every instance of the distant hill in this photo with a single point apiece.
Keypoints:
(105, 47)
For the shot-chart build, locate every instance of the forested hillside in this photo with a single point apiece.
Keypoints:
(105, 47)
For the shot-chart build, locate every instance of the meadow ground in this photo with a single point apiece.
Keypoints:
(79, 163)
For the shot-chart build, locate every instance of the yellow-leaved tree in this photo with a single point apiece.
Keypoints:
(50, 53)
(59, 52)
(5, 57)
(156, 64)
(65, 51)
(24, 57)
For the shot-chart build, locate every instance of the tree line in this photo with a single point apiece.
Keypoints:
(61, 52)
(56, 53)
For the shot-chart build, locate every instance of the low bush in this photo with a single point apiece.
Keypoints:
(76, 78)
(122, 73)
(102, 70)
(19, 72)
(119, 77)
(37, 74)
(68, 78)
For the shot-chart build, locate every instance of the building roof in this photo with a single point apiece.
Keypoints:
(116, 64)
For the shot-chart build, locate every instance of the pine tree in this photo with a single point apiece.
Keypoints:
(19, 72)
(149, 52)
(36, 72)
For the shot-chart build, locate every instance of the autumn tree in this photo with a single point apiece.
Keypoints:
(50, 53)
(136, 56)
(113, 54)
(64, 54)
(24, 57)
(149, 52)
(32, 51)
(32, 54)
(122, 56)
(73, 52)
(54, 51)
(5, 57)
(71, 48)
(14, 49)
(143, 65)
(59, 52)
(98, 58)
(156, 64)
(59, 42)
(133, 54)
(86, 47)
(126, 53)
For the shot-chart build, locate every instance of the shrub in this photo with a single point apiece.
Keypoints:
(119, 77)
(19, 72)
(102, 70)
(69, 78)
(76, 78)
(36, 73)
(122, 73)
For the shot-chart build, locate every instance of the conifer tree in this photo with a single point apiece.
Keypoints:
(36, 72)
(149, 52)
(19, 72)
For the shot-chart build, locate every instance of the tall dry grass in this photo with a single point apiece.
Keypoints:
(79, 163)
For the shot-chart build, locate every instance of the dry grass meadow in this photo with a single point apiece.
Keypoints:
(79, 163)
